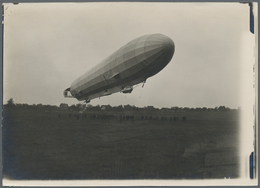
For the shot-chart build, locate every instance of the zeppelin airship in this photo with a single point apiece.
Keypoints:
(132, 64)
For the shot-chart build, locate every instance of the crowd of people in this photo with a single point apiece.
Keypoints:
(123, 117)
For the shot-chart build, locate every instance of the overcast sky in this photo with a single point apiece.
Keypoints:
(47, 46)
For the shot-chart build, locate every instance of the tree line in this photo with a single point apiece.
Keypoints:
(88, 107)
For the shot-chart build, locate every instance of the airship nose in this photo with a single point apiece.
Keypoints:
(166, 43)
(159, 50)
(158, 46)
(169, 44)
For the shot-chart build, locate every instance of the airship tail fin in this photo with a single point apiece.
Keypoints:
(67, 94)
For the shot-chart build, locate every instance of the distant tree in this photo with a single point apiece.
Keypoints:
(10, 102)
(204, 109)
(49, 107)
(135, 108)
(106, 107)
(222, 108)
(150, 108)
(120, 107)
(228, 109)
(127, 107)
(64, 106)
(186, 109)
(39, 106)
(24, 105)
(89, 106)
(210, 109)
(80, 107)
(73, 107)
(175, 108)
(198, 109)
(96, 108)
(165, 109)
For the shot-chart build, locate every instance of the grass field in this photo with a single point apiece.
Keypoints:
(39, 144)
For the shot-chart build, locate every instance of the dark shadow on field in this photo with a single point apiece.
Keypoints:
(65, 145)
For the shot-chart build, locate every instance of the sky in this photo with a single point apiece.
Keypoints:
(48, 45)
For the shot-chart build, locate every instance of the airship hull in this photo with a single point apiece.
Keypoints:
(132, 64)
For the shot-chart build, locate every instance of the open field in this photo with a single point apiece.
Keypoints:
(39, 144)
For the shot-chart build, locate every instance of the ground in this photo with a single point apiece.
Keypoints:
(40, 144)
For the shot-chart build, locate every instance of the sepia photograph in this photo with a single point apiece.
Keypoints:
(129, 93)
